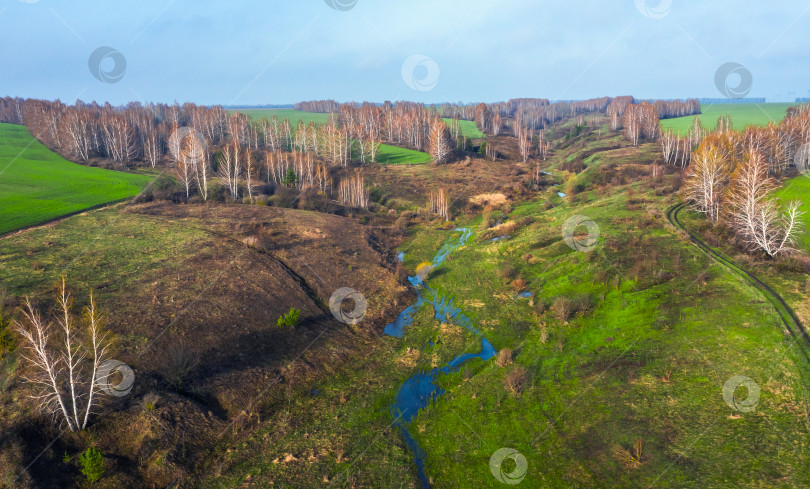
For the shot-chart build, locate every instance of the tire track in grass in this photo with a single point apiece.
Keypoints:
(788, 315)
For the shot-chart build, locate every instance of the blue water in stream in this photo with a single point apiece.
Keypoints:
(422, 389)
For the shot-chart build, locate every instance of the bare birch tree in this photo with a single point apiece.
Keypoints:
(754, 216)
(66, 374)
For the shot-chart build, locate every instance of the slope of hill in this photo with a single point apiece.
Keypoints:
(37, 185)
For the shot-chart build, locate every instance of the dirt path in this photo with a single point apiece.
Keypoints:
(789, 317)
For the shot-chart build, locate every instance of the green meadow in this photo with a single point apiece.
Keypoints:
(741, 115)
(798, 188)
(468, 129)
(37, 185)
(394, 155)
(292, 115)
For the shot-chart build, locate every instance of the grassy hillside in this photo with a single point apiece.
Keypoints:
(741, 115)
(614, 346)
(293, 115)
(632, 340)
(37, 184)
(798, 188)
(468, 129)
(393, 155)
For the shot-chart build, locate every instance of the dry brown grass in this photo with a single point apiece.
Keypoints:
(493, 199)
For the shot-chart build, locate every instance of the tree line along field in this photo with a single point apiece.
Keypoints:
(741, 115)
(388, 154)
(37, 185)
(468, 128)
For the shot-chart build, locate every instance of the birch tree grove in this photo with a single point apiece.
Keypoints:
(439, 204)
(756, 218)
(353, 193)
(706, 180)
(439, 141)
(230, 169)
(66, 376)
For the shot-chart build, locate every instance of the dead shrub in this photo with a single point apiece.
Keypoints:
(515, 380)
(563, 308)
(505, 357)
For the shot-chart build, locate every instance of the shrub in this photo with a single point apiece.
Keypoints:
(505, 357)
(515, 380)
(178, 363)
(290, 319)
(7, 342)
(563, 307)
(92, 464)
(630, 459)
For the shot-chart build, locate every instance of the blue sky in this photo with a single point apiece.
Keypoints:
(274, 52)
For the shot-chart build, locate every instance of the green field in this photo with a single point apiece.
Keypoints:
(394, 155)
(37, 184)
(468, 129)
(741, 115)
(388, 155)
(293, 115)
(798, 188)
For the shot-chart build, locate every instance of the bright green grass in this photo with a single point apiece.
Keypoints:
(37, 184)
(106, 250)
(798, 188)
(741, 115)
(468, 129)
(647, 362)
(292, 115)
(394, 155)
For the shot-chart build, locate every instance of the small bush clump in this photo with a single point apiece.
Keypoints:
(290, 319)
(505, 357)
(92, 463)
(7, 342)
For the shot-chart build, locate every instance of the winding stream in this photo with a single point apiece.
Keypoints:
(422, 389)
